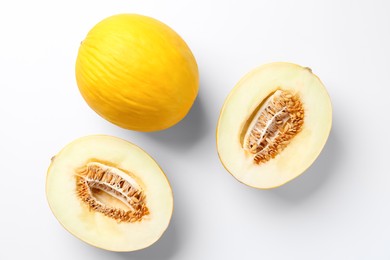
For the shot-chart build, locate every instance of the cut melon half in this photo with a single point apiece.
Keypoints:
(109, 193)
(273, 125)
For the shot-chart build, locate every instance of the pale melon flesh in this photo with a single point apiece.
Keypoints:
(273, 125)
(109, 193)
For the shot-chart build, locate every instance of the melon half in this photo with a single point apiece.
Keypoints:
(273, 125)
(109, 193)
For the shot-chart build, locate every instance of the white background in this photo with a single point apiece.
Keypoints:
(339, 209)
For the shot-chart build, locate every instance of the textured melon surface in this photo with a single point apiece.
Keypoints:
(137, 72)
(240, 110)
(133, 169)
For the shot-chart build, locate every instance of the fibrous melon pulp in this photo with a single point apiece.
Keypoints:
(273, 125)
(109, 193)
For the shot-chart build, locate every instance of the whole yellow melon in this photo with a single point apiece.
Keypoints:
(137, 73)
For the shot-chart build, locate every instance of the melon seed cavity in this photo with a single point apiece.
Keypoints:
(279, 118)
(96, 180)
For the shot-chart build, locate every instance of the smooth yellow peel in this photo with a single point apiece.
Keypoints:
(137, 73)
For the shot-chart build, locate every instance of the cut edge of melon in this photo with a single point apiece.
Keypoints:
(102, 246)
(241, 84)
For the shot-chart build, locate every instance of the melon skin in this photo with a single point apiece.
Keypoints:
(240, 105)
(137, 73)
(95, 228)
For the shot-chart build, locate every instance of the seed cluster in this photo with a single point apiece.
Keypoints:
(278, 121)
(92, 176)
